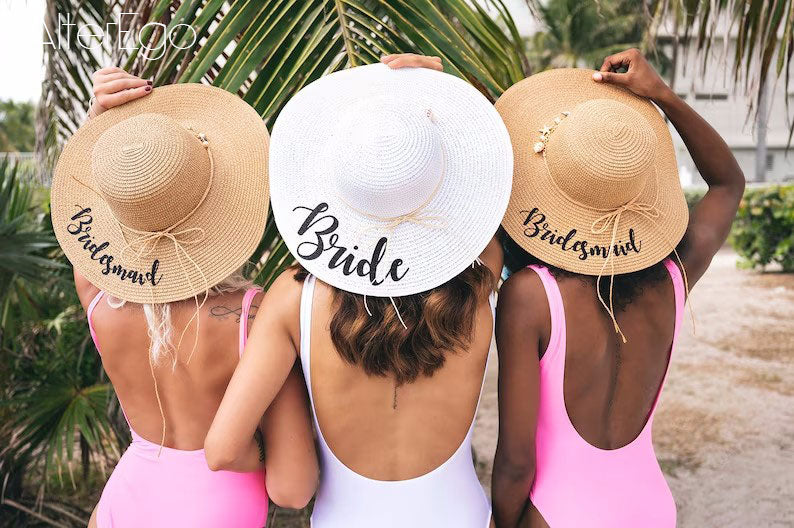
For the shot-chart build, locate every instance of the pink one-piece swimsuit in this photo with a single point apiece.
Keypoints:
(177, 488)
(577, 484)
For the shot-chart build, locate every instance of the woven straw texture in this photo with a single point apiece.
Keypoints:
(143, 166)
(614, 148)
(375, 143)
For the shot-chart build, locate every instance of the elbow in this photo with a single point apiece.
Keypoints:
(292, 497)
(519, 470)
(741, 183)
(738, 182)
(219, 456)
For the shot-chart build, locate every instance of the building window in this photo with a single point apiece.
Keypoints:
(770, 162)
(711, 97)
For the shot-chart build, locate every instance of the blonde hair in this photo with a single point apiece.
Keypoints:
(158, 317)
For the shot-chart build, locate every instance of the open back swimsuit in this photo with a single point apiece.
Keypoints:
(177, 488)
(450, 495)
(577, 484)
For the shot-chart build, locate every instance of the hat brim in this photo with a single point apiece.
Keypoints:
(471, 199)
(533, 103)
(231, 218)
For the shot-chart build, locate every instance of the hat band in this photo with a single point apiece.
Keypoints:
(418, 216)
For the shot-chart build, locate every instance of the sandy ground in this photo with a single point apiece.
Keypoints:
(724, 430)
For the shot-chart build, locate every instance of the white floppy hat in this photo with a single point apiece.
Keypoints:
(389, 182)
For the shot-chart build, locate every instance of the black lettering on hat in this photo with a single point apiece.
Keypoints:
(80, 228)
(320, 226)
(536, 226)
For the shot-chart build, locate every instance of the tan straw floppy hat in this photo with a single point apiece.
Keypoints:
(596, 188)
(162, 198)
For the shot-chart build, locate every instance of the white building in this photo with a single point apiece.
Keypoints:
(712, 91)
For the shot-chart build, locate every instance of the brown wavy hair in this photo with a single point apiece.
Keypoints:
(438, 322)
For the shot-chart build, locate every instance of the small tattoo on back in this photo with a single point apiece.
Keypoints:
(220, 311)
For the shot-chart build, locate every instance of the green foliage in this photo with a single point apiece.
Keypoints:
(581, 33)
(56, 413)
(17, 127)
(763, 232)
(24, 235)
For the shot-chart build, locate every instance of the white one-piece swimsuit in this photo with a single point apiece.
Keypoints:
(450, 495)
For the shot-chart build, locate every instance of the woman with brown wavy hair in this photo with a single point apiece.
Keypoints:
(388, 187)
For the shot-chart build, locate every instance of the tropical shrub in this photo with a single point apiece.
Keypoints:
(57, 414)
(763, 232)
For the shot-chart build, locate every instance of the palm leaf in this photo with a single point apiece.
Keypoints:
(266, 50)
(764, 36)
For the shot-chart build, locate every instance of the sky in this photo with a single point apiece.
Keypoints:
(21, 41)
(21, 37)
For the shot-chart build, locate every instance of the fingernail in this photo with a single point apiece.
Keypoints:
(149, 83)
(597, 76)
(148, 89)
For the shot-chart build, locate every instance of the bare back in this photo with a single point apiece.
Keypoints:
(386, 438)
(192, 389)
(610, 386)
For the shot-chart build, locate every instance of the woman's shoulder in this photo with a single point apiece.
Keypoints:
(523, 303)
(522, 288)
(283, 297)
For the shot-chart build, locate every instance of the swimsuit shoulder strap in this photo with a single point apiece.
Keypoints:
(244, 313)
(680, 291)
(90, 314)
(557, 312)
(680, 301)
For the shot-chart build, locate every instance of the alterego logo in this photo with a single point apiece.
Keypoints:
(92, 36)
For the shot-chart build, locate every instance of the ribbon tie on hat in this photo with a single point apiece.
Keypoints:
(600, 226)
(612, 218)
(419, 216)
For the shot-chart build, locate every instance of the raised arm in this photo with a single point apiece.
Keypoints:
(520, 320)
(711, 219)
(269, 357)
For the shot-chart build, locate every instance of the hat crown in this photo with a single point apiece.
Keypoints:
(601, 154)
(388, 162)
(151, 171)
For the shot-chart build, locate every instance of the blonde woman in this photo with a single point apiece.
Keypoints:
(157, 204)
(388, 187)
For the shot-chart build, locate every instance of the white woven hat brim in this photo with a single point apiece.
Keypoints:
(232, 217)
(472, 197)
